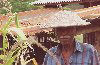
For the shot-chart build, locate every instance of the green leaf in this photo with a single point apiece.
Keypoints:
(19, 32)
(79, 38)
(12, 52)
(7, 23)
(2, 56)
(5, 45)
(16, 20)
(4, 32)
(3, 11)
(1, 48)
(11, 60)
(5, 42)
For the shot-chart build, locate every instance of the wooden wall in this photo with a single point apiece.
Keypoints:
(97, 41)
(93, 38)
(92, 33)
(90, 4)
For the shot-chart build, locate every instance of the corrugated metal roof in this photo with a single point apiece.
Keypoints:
(53, 1)
(33, 17)
(59, 1)
(29, 17)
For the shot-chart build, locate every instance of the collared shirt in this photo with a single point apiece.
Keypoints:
(84, 54)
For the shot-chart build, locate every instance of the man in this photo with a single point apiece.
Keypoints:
(70, 52)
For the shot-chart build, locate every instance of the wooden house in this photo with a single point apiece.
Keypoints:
(34, 17)
(54, 3)
(91, 14)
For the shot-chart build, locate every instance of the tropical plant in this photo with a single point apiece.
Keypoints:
(18, 49)
(5, 7)
(8, 6)
(9, 56)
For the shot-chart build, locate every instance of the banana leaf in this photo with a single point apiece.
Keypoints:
(19, 32)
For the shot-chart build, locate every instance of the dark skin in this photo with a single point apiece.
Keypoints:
(66, 38)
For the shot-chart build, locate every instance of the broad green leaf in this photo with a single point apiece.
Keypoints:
(19, 32)
(1, 64)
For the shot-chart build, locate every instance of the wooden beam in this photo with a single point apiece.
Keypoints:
(88, 29)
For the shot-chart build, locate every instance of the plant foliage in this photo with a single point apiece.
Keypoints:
(16, 6)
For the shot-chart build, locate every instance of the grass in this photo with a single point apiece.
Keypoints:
(79, 38)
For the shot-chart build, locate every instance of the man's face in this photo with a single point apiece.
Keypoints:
(65, 35)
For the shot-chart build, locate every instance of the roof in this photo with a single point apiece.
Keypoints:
(60, 1)
(63, 18)
(89, 13)
(30, 18)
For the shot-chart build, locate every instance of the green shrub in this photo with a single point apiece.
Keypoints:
(3, 11)
(22, 6)
(16, 6)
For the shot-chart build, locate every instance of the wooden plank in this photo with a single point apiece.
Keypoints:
(88, 29)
